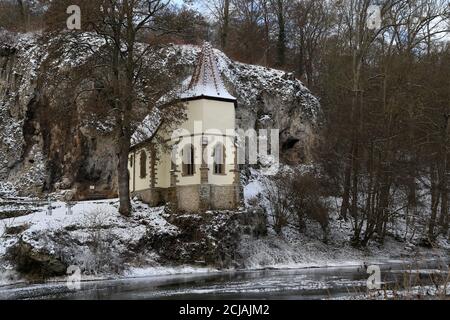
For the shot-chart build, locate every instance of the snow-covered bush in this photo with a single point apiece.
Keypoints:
(101, 256)
(293, 197)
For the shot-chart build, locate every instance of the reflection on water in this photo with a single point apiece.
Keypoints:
(320, 283)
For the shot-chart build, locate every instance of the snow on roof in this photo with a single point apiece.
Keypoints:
(206, 80)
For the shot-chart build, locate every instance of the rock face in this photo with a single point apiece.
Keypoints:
(34, 263)
(42, 153)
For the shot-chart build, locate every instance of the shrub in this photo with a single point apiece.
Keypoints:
(101, 256)
(297, 196)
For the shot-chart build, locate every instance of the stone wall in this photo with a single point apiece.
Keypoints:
(194, 198)
(154, 197)
(188, 198)
(224, 197)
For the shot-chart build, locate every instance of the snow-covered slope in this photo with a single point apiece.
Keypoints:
(94, 237)
(38, 241)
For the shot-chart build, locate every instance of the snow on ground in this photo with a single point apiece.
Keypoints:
(253, 188)
(421, 292)
(134, 272)
(90, 234)
(295, 249)
(84, 214)
(72, 235)
(95, 237)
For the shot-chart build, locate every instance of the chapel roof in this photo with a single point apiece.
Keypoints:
(207, 81)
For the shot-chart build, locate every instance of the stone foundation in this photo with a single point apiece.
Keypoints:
(188, 198)
(193, 198)
(224, 197)
(154, 196)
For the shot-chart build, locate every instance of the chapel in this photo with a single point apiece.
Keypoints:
(199, 170)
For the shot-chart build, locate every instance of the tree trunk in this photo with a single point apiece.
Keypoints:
(226, 25)
(443, 220)
(266, 34)
(22, 14)
(354, 193)
(346, 195)
(281, 45)
(443, 178)
(411, 206)
(301, 55)
(123, 174)
(434, 204)
(383, 208)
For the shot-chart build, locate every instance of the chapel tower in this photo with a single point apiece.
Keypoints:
(201, 171)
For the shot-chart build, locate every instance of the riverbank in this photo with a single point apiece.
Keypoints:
(93, 237)
(348, 282)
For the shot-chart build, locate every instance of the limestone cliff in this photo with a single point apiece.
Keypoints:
(40, 153)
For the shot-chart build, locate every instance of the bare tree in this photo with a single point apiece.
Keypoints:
(222, 11)
(279, 7)
(312, 22)
(124, 72)
(294, 197)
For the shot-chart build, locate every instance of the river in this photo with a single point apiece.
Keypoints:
(312, 283)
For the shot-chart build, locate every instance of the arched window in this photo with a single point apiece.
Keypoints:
(143, 164)
(188, 160)
(131, 161)
(219, 159)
